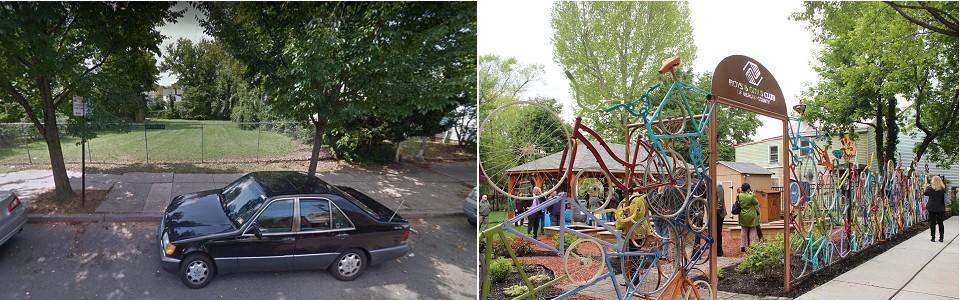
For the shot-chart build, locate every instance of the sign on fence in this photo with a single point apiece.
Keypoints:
(80, 107)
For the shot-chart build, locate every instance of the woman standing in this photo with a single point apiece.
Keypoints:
(935, 205)
(749, 220)
(534, 221)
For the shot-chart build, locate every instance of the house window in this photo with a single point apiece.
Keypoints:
(775, 182)
(804, 147)
(774, 154)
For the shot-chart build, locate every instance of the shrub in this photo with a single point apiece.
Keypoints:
(568, 239)
(763, 255)
(520, 247)
(500, 269)
(515, 290)
(539, 278)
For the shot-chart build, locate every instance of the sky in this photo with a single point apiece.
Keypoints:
(521, 29)
(186, 27)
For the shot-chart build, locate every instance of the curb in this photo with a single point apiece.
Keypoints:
(144, 217)
(94, 217)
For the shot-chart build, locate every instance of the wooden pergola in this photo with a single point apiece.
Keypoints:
(548, 167)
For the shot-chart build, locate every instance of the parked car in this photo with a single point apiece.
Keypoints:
(272, 221)
(12, 217)
(470, 205)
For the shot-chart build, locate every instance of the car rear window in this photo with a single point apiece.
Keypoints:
(367, 204)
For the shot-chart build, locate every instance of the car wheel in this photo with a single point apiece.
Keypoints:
(197, 270)
(349, 265)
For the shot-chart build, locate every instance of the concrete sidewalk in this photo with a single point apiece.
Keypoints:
(914, 269)
(424, 189)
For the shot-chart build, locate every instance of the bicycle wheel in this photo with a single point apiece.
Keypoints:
(690, 242)
(648, 274)
(842, 244)
(703, 288)
(798, 265)
(825, 189)
(698, 217)
(666, 201)
(506, 143)
(679, 171)
(584, 261)
(597, 191)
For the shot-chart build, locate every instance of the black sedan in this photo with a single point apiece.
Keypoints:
(271, 221)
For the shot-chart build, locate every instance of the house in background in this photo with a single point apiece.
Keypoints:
(733, 174)
(766, 153)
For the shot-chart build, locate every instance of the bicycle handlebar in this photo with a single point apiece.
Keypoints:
(630, 106)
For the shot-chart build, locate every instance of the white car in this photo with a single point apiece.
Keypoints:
(12, 215)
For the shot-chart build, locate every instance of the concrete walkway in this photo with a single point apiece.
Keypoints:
(423, 188)
(914, 269)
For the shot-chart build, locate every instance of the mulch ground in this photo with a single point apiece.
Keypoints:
(47, 203)
(553, 263)
(770, 282)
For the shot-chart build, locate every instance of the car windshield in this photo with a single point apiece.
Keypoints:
(241, 199)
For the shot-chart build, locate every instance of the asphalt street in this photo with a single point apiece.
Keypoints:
(121, 261)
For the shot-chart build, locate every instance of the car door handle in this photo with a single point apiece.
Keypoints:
(287, 239)
(342, 235)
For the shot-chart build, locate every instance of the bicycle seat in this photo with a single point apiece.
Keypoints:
(669, 63)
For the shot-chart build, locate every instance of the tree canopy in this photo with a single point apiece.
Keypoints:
(213, 81)
(613, 51)
(52, 51)
(875, 58)
(360, 72)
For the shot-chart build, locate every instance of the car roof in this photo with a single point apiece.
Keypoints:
(281, 183)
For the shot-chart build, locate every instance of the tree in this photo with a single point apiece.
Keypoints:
(873, 57)
(734, 126)
(359, 72)
(49, 52)
(464, 124)
(503, 81)
(936, 16)
(613, 51)
(212, 79)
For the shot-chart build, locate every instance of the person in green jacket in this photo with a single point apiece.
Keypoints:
(749, 218)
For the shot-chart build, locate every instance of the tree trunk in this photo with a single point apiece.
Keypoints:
(318, 126)
(878, 134)
(890, 146)
(61, 181)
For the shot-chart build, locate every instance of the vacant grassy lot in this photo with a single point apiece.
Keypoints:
(179, 140)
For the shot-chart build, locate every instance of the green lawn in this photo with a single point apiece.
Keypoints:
(497, 217)
(180, 140)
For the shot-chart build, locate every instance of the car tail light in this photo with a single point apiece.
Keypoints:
(13, 204)
(406, 235)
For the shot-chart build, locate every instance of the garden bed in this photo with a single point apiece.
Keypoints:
(770, 282)
(496, 290)
(47, 203)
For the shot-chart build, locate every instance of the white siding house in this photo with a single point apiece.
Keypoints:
(765, 153)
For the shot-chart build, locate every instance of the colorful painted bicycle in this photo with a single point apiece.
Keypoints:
(663, 211)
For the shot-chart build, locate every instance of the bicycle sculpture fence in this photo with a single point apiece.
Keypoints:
(839, 209)
(657, 243)
(659, 238)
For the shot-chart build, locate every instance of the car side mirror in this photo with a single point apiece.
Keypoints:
(256, 230)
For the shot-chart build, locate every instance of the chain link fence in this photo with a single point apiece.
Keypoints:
(162, 141)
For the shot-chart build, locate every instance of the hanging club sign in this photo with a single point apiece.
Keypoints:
(742, 81)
